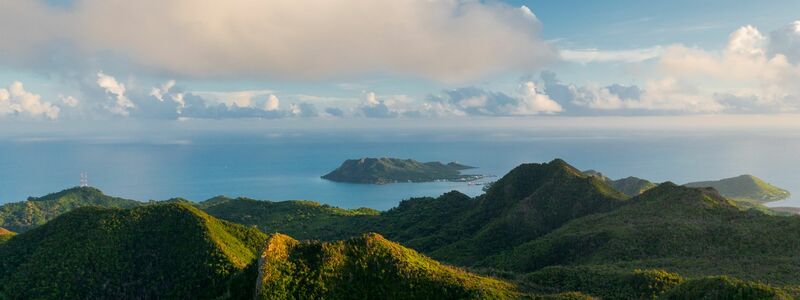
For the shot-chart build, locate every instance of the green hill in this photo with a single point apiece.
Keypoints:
(631, 186)
(528, 202)
(366, 267)
(693, 232)
(390, 170)
(155, 251)
(23, 216)
(745, 188)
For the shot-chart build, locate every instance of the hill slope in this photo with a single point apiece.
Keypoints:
(389, 170)
(6, 234)
(744, 188)
(301, 219)
(155, 251)
(366, 267)
(693, 232)
(23, 216)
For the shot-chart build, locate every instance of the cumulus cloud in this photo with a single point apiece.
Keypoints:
(374, 108)
(665, 95)
(159, 92)
(752, 66)
(303, 110)
(122, 104)
(473, 101)
(69, 100)
(534, 102)
(754, 72)
(16, 101)
(786, 41)
(294, 39)
(272, 103)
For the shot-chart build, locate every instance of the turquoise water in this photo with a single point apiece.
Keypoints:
(266, 167)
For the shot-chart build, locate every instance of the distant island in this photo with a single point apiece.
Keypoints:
(745, 188)
(392, 170)
(742, 188)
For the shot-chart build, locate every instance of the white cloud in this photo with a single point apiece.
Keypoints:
(17, 101)
(166, 90)
(159, 92)
(69, 100)
(749, 67)
(786, 41)
(597, 55)
(241, 99)
(122, 104)
(533, 102)
(272, 103)
(447, 40)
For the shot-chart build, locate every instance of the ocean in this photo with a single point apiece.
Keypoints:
(288, 166)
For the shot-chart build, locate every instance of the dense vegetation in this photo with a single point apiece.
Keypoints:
(549, 230)
(745, 188)
(301, 219)
(690, 231)
(389, 170)
(366, 267)
(23, 216)
(631, 186)
(723, 287)
(156, 251)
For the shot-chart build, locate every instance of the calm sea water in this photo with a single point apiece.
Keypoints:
(281, 168)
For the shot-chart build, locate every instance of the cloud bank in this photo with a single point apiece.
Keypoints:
(446, 40)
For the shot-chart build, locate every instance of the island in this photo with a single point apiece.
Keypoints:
(745, 188)
(392, 170)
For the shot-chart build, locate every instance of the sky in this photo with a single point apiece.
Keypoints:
(120, 63)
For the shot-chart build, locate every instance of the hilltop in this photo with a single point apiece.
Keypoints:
(155, 251)
(25, 215)
(630, 185)
(365, 267)
(745, 188)
(391, 170)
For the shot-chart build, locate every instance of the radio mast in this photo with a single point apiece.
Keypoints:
(84, 179)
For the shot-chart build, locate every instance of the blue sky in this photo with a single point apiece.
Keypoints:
(64, 62)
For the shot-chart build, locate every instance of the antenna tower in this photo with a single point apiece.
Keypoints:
(84, 179)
